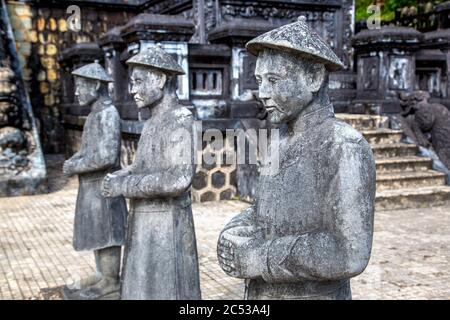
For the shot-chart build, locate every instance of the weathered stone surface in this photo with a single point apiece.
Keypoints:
(22, 167)
(311, 227)
(99, 221)
(429, 124)
(160, 253)
(386, 65)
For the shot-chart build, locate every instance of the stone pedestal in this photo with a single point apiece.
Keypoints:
(385, 67)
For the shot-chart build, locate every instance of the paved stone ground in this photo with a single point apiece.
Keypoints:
(410, 257)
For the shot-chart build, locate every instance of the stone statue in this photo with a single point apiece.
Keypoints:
(428, 124)
(160, 253)
(310, 229)
(99, 222)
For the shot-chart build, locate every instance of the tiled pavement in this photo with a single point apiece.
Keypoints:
(410, 259)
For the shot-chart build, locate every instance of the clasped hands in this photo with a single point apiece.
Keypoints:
(239, 252)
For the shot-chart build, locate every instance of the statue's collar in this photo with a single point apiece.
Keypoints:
(101, 103)
(314, 117)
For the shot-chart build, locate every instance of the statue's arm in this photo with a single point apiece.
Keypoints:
(342, 248)
(124, 171)
(168, 183)
(244, 219)
(75, 156)
(103, 149)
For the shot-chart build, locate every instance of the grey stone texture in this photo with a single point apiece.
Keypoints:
(429, 123)
(99, 221)
(160, 253)
(310, 229)
(22, 167)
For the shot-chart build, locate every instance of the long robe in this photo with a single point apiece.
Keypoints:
(161, 254)
(99, 222)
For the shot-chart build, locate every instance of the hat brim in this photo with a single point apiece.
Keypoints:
(256, 47)
(165, 70)
(91, 78)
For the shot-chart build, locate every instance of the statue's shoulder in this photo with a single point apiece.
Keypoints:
(109, 107)
(344, 135)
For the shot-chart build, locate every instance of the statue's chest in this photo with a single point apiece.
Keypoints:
(288, 201)
(153, 145)
(90, 134)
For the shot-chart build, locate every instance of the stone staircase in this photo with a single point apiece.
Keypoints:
(404, 180)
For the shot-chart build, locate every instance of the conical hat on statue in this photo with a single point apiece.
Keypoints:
(92, 71)
(297, 38)
(156, 57)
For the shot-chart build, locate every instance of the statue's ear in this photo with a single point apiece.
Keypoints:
(162, 80)
(317, 77)
(97, 85)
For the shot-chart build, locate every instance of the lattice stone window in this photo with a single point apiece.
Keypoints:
(206, 82)
(216, 181)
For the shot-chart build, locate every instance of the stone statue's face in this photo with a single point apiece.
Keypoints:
(286, 84)
(146, 86)
(86, 90)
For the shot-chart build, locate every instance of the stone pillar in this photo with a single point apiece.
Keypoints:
(113, 46)
(243, 107)
(434, 66)
(236, 34)
(172, 32)
(385, 67)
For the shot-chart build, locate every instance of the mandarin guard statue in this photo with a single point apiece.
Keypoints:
(310, 229)
(160, 253)
(99, 222)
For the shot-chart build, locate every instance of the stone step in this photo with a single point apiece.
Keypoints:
(413, 179)
(382, 136)
(411, 163)
(363, 122)
(413, 198)
(389, 150)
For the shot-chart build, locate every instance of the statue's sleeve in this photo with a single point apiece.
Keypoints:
(103, 147)
(75, 156)
(174, 176)
(244, 219)
(341, 249)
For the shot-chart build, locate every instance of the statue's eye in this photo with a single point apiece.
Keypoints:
(272, 79)
(258, 81)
